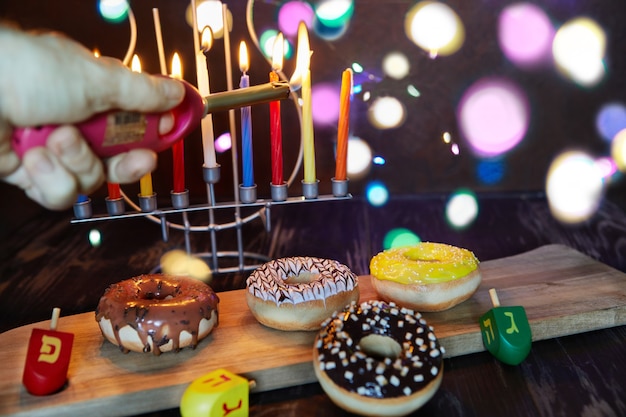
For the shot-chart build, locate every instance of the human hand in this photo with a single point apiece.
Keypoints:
(50, 79)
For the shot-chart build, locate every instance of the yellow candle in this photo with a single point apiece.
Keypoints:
(303, 77)
(145, 182)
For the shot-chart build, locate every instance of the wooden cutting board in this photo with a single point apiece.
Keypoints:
(563, 291)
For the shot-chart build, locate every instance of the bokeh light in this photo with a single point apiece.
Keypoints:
(400, 237)
(434, 27)
(95, 238)
(291, 14)
(209, 13)
(578, 49)
(574, 186)
(377, 194)
(618, 150)
(493, 116)
(386, 113)
(525, 34)
(334, 13)
(461, 209)
(325, 104)
(396, 65)
(114, 10)
(223, 142)
(611, 118)
(490, 171)
(359, 158)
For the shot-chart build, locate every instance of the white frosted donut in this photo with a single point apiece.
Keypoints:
(378, 359)
(157, 313)
(299, 293)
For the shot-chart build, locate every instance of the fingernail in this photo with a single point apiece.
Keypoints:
(174, 90)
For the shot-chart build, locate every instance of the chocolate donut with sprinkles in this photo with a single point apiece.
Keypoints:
(378, 359)
(299, 293)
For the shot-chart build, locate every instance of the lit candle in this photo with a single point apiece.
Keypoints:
(206, 125)
(343, 126)
(246, 121)
(178, 148)
(145, 182)
(276, 135)
(303, 72)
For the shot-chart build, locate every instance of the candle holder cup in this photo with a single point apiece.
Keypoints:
(247, 194)
(83, 209)
(115, 206)
(211, 175)
(339, 187)
(279, 191)
(147, 203)
(180, 200)
(310, 190)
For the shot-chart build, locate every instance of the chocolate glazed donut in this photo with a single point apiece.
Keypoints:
(378, 359)
(157, 313)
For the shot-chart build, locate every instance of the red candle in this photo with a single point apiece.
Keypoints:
(344, 126)
(276, 135)
(178, 155)
(114, 191)
(178, 149)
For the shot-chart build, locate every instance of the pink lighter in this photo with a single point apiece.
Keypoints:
(114, 132)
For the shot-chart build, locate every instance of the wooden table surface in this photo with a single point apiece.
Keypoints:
(48, 262)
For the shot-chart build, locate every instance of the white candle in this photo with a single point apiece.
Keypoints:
(202, 72)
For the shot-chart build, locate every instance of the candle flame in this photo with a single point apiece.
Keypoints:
(96, 52)
(177, 67)
(278, 52)
(244, 64)
(207, 39)
(303, 57)
(135, 64)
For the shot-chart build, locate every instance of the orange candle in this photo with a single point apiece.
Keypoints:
(343, 128)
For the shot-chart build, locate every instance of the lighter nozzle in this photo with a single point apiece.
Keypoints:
(249, 96)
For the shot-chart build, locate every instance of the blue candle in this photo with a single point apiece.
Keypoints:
(246, 122)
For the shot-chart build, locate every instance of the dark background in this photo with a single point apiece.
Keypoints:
(417, 161)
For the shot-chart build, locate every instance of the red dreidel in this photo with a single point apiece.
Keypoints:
(217, 394)
(506, 332)
(47, 359)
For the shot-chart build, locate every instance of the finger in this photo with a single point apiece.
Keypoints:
(9, 161)
(118, 87)
(77, 157)
(129, 167)
(48, 182)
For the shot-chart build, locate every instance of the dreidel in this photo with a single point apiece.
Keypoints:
(47, 358)
(217, 394)
(506, 332)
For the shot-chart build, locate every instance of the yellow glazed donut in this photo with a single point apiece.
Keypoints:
(378, 359)
(299, 293)
(427, 276)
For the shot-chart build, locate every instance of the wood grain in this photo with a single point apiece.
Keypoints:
(563, 291)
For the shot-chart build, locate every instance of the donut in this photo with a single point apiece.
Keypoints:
(157, 313)
(299, 293)
(427, 276)
(378, 359)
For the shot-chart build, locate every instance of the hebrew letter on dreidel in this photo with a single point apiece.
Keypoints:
(513, 328)
(50, 349)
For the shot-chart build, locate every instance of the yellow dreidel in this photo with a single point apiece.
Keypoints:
(506, 332)
(220, 393)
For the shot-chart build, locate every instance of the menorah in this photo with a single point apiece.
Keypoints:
(119, 205)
